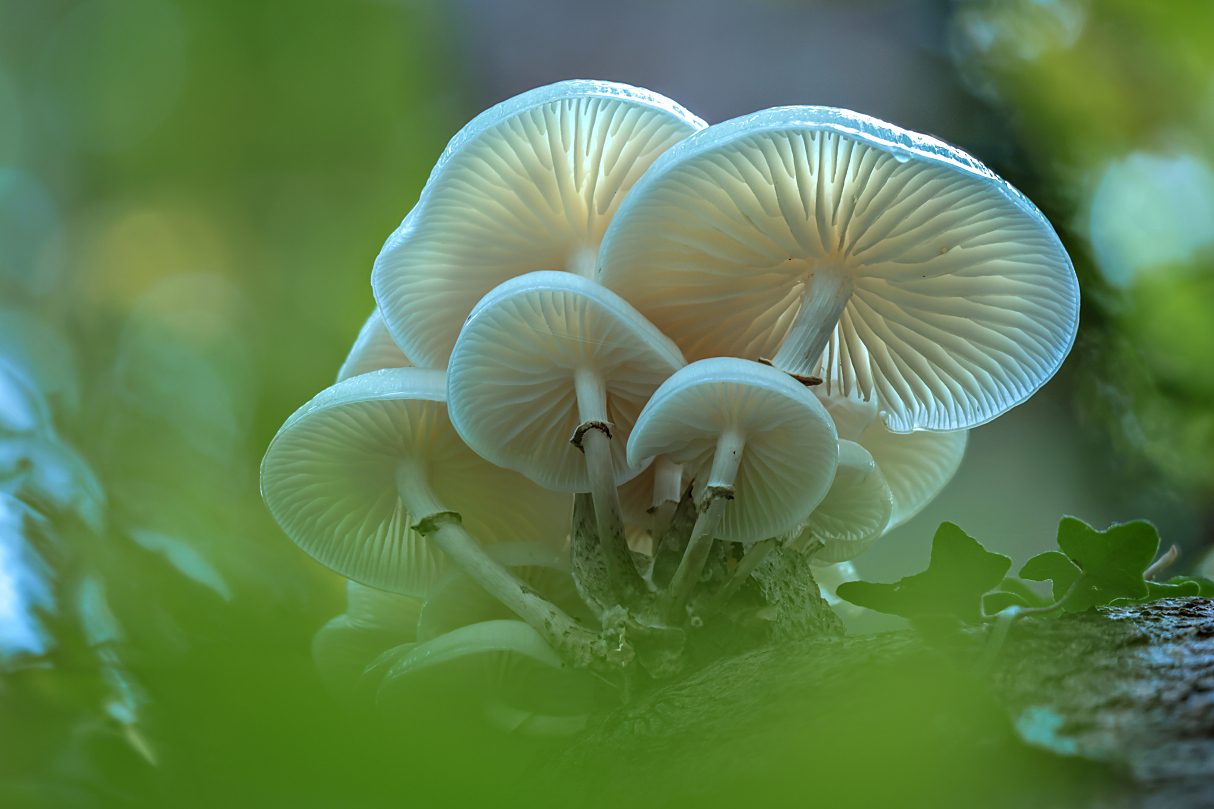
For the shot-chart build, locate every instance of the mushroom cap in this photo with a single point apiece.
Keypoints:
(330, 480)
(855, 512)
(791, 448)
(373, 622)
(502, 661)
(458, 601)
(917, 465)
(963, 301)
(373, 350)
(511, 379)
(529, 184)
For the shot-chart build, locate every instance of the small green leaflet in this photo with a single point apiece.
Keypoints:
(1113, 561)
(959, 573)
(1054, 567)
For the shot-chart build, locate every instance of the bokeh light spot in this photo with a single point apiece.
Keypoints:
(1150, 211)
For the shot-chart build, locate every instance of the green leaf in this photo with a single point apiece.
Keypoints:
(1054, 567)
(1157, 590)
(1113, 561)
(1205, 587)
(959, 573)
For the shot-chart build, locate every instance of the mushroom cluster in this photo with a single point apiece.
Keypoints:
(620, 355)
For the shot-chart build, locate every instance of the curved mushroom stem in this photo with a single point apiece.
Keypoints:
(821, 308)
(717, 493)
(443, 527)
(757, 553)
(595, 441)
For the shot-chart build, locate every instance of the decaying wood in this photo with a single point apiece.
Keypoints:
(1111, 708)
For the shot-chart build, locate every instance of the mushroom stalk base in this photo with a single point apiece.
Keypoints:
(757, 553)
(821, 308)
(443, 527)
(717, 493)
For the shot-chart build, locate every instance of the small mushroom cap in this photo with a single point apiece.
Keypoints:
(511, 381)
(330, 479)
(530, 184)
(855, 511)
(373, 622)
(917, 466)
(963, 301)
(373, 350)
(791, 448)
(458, 601)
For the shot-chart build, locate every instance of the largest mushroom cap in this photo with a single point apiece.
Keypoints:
(530, 184)
(330, 477)
(960, 301)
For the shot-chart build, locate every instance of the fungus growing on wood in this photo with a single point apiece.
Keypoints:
(885, 262)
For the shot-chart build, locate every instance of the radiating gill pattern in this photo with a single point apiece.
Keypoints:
(330, 483)
(535, 191)
(511, 378)
(964, 279)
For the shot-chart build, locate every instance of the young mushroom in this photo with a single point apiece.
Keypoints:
(855, 512)
(764, 448)
(547, 377)
(915, 465)
(367, 479)
(885, 262)
(530, 184)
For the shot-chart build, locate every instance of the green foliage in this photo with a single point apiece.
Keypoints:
(1052, 566)
(1113, 561)
(1091, 569)
(959, 573)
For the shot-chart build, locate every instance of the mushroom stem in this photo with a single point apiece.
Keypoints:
(755, 554)
(600, 466)
(717, 493)
(825, 298)
(443, 527)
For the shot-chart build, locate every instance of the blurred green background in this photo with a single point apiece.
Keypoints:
(191, 196)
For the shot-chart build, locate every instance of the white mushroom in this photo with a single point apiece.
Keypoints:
(855, 511)
(530, 184)
(915, 465)
(889, 263)
(367, 478)
(764, 448)
(548, 357)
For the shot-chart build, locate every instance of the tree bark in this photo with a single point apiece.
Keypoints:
(1109, 708)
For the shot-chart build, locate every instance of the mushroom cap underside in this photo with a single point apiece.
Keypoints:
(331, 478)
(960, 299)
